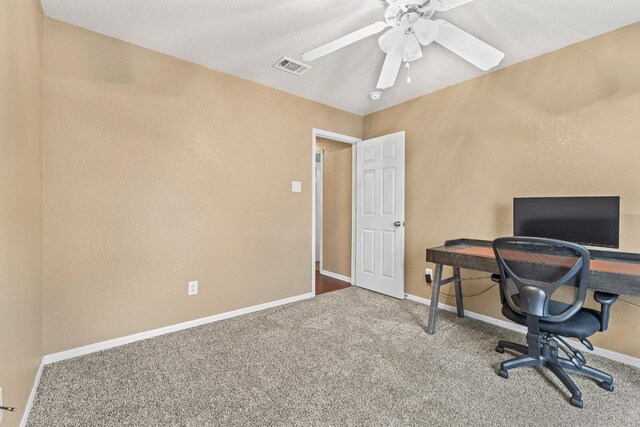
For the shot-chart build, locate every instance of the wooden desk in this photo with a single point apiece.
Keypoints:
(614, 272)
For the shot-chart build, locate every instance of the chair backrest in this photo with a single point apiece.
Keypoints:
(533, 269)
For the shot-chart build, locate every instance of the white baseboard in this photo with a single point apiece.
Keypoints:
(32, 395)
(92, 348)
(603, 352)
(335, 276)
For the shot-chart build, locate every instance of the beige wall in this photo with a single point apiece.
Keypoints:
(157, 172)
(154, 176)
(336, 203)
(566, 123)
(20, 201)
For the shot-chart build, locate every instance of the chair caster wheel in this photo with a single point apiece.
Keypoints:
(504, 374)
(577, 402)
(606, 385)
(500, 349)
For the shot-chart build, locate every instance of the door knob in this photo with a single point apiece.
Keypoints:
(398, 223)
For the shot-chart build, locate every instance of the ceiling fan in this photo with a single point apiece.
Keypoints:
(411, 28)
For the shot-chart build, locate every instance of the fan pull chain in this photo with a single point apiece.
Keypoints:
(408, 72)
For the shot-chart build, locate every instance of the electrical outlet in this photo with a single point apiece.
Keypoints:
(428, 275)
(192, 289)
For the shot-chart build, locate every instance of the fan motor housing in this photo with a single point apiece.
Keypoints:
(398, 9)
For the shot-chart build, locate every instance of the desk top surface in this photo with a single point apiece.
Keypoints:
(610, 266)
(602, 261)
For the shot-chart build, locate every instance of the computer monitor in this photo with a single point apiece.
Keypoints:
(593, 221)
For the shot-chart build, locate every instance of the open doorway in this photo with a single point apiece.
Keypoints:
(333, 194)
(333, 215)
(377, 188)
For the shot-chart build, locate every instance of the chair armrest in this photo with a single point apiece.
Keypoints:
(496, 278)
(605, 297)
(606, 300)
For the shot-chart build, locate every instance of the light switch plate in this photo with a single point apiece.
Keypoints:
(193, 288)
(296, 186)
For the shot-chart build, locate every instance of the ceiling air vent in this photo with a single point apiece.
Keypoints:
(291, 66)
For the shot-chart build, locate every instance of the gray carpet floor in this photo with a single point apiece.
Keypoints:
(346, 358)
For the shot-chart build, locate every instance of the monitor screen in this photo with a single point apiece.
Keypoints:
(593, 221)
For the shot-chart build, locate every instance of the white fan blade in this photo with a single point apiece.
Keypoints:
(444, 5)
(390, 70)
(392, 40)
(467, 46)
(343, 41)
(425, 30)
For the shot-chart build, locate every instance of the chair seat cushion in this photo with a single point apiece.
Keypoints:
(584, 323)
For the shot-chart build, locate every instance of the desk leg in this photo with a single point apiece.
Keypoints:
(435, 297)
(458, 287)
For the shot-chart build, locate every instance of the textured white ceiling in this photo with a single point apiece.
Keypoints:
(246, 37)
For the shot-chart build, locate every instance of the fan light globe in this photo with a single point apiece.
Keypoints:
(392, 40)
(426, 31)
(412, 49)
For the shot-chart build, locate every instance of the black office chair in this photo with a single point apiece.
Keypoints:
(531, 271)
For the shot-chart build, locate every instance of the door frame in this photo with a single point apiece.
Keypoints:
(347, 140)
(319, 185)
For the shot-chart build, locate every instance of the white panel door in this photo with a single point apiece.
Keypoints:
(380, 214)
